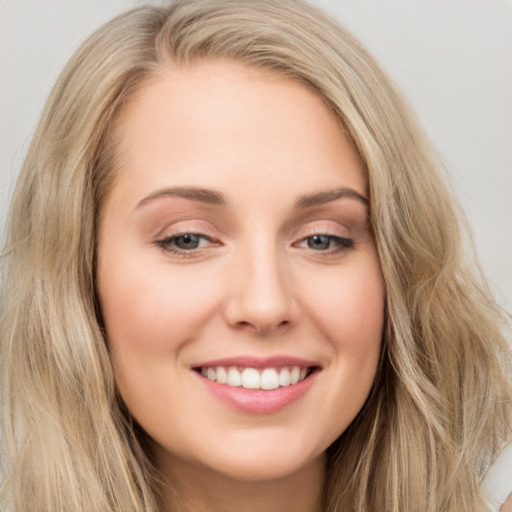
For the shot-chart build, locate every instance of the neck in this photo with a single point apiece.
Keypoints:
(194, 489)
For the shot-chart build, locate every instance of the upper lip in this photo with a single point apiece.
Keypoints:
(258, 362)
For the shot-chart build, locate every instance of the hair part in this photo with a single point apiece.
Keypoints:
(425, 435)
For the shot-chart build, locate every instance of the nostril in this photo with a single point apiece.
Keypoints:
(271, 327)
(262, 309)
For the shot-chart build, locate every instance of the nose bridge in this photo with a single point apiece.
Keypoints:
(262, 292)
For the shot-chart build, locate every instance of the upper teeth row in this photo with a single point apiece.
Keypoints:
(251, 378)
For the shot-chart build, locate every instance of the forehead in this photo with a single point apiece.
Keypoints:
(214, 121)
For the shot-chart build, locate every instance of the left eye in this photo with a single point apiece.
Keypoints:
(325, 242)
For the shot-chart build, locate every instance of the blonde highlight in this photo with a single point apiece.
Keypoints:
(425, 436)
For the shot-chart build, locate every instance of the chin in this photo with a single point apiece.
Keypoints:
(262, 460)
(251, 469)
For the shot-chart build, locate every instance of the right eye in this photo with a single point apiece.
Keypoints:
(186, 242)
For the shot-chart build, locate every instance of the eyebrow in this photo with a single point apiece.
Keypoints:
(212, 197)
(196, 194)
(320, 198)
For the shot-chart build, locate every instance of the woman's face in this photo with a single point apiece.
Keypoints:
(237, 274)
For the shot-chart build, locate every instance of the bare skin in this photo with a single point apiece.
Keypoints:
(236, 232)
(507, 506)
(300, 493)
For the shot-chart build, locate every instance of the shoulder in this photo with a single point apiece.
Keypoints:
(497, 484)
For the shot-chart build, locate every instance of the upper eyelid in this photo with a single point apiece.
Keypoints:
(183, 228)
(204, 227)
(321, 229)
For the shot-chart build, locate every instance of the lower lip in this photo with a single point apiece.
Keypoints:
(258, 401)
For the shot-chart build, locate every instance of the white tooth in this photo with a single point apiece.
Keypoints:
(211, 374)
(284, 377)
(222, 375)
(204, 371)
(269, 379)
(303, 372)
(251, 378)
(295, 375)
(234, 377)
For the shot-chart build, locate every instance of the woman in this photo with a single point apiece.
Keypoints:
(235, 280)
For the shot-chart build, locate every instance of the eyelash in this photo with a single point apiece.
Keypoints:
(341, 243)
(167, 244)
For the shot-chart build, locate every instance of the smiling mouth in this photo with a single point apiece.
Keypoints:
(258, 385)
(256, 378)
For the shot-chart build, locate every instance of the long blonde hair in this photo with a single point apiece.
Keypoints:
(440, 408)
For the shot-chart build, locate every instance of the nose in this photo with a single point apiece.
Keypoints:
(261, 293)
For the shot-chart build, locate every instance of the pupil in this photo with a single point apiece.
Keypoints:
(319, 242)
(188, 241)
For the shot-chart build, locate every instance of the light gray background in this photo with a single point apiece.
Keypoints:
(453, 59)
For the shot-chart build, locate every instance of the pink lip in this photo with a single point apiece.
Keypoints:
(259, 362)
(258, 401)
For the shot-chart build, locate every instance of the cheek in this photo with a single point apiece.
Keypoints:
(351, 308)
(147, 309)
(150, 316)
(350, 311)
